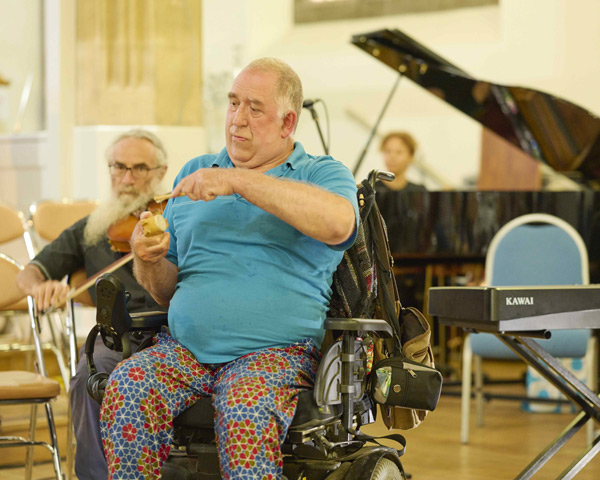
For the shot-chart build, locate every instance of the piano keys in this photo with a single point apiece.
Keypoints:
(514, 314)
(517, 309)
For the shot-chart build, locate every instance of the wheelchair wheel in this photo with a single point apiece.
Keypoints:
(386, 470)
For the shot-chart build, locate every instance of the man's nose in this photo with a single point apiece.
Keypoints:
(128, 177)
(240, 117)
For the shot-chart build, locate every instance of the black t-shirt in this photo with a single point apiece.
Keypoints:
(381, 186)
(67, 254)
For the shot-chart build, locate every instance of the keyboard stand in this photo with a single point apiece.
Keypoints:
(495, 310)
(549, 367)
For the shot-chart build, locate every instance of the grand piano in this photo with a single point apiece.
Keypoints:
(458, 225)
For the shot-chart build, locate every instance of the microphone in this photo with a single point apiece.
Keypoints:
(310, 105)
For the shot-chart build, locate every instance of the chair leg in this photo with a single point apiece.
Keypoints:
(29, 451)
(478, 374)
(41, 368)
(465, 397)
(73, 359)
(57, 345)
(72, 338)
(60, 360)
(53, 441)
(70, 444)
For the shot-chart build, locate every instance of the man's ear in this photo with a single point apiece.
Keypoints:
(162, 171)
(289, 124)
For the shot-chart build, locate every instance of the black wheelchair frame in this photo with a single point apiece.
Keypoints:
(324, 440)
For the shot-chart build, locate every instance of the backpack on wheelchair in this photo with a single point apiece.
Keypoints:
(324, 440)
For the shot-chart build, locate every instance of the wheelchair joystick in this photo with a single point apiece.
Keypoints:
(113, 324)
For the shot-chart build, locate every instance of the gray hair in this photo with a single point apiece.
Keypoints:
(160, 154)
(288, 88)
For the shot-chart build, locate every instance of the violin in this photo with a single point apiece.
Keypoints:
(120, 232)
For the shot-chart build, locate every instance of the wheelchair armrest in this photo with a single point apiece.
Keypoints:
(360, 324)
(148, 320)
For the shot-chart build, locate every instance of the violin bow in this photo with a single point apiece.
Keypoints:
(166, 196)
(90, 281)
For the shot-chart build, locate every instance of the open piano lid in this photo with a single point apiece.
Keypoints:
(561, 134)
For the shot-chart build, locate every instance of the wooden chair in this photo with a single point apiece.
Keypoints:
(14, 227)
(27, 387)
(47, 220)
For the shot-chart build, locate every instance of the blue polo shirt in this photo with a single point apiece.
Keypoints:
(248, 280)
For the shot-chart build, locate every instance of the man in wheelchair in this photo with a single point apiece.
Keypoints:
(255, 235)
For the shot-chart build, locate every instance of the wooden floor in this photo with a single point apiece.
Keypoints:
(500, 450)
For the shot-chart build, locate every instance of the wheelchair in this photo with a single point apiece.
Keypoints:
(324, 440)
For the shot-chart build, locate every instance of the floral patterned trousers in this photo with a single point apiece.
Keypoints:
(254, 398)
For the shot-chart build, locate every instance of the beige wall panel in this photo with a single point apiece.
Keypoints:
(138, 62)
(178, 75)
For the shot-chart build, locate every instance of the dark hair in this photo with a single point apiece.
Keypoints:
(406, 137)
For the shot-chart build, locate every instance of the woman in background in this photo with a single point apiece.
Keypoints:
(398, 149)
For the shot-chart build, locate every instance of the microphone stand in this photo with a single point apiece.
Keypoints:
(313, 112)
(374, 129)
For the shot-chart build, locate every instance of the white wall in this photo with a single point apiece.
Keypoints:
(21, 49)
(233, 33)
(21, 56)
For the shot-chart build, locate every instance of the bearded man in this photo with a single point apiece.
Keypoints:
(137, 164)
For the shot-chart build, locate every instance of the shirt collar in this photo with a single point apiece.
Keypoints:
(222, 160)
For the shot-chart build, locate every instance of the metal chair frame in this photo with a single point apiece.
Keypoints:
(471, 361)
(10, 270)
(47, 219)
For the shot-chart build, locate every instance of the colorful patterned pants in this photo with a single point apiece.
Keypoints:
(254, 398)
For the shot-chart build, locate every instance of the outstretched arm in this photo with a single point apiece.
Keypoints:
(313, 211)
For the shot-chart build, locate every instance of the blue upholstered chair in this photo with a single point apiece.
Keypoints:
(535, 249)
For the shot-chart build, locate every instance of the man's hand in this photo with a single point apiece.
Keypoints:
(151, 268)
(148, 249)
(206, 184)
(44, 292)
(49, 293)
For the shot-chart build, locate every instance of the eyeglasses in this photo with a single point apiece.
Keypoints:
(138, 171)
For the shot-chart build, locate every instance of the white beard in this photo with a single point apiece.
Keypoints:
(120, 206)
